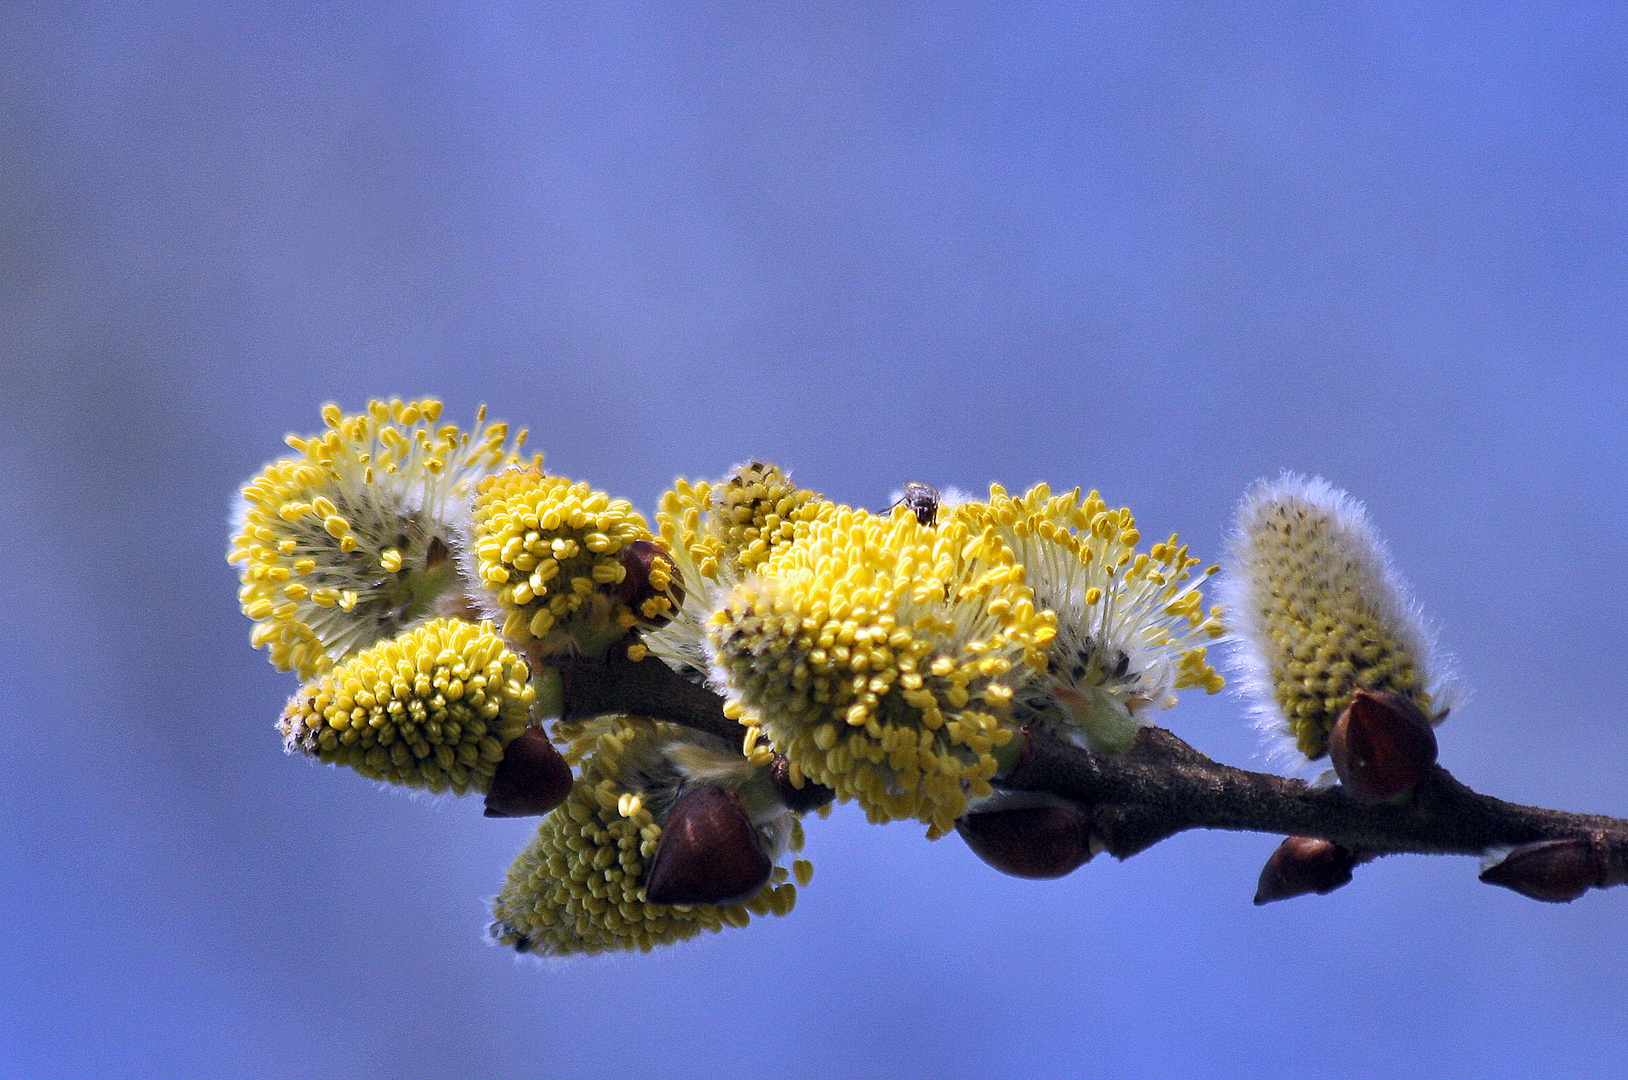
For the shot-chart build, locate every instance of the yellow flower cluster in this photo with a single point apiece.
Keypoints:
(1320, 615)
(717, 534)
(578, 886)
(879, 656)
(756, 508)
(548, 550)
(432, 708)
(348, 541)
(891, 657)
(1130, 629)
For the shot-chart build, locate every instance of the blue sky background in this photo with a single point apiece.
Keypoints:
(1157, 249)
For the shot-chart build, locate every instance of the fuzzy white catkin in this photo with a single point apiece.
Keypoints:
(1314, 612)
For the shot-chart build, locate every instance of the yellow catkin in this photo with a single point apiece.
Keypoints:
(578, 886)
(548, 551)
(1319, 614)
(718, 533)
(1131, 626)
(431, 708)
(878, 655)
(755, 509)
(348, 541)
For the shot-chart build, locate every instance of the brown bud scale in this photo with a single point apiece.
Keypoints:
(1554, 871)
(531, 779)
(708, 853)
(1036, 842)
(640, 561)
(800, 800)
(1301, 865)
(1381, 746)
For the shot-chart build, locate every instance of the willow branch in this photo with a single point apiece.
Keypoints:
(1161, 786)
(645, 687)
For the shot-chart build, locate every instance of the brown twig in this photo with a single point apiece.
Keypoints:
(1162, 786)
(645, 687)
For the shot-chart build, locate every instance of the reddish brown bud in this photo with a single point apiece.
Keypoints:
(1045, 841)
(640, 560)
(1555, 871)
(1381, 746)
(708, 853)
(531, 779)
(1304, 864)
(810, 796)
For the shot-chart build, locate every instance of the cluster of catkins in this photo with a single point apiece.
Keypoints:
(431, 584)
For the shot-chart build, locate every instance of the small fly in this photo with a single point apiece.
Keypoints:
(922, 499)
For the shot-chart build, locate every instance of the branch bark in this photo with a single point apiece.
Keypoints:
(645, 687)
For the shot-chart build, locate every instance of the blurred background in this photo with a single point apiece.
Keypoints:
(1151, 248)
